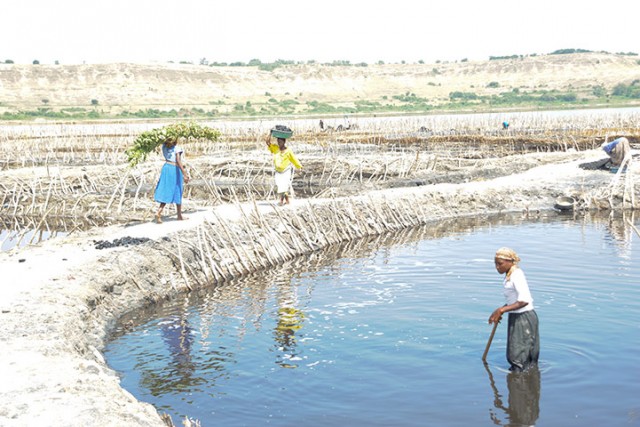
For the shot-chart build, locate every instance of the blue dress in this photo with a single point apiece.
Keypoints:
(169, 188)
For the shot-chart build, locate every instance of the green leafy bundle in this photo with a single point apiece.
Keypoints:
(148, 141)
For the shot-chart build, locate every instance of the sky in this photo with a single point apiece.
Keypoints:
(143, 31)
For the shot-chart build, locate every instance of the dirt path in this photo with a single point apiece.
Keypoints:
(59, 299)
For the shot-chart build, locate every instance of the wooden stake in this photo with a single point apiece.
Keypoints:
(486, 350)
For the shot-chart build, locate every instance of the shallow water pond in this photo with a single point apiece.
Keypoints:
(390, 331)
(10, 239)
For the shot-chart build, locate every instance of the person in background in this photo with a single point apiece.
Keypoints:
(618, 150)
(283, 161)
(173, 176)
(523, 340)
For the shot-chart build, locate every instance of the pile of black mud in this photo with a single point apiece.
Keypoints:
(123, 241)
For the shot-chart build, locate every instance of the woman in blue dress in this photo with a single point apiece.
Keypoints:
(172, 179)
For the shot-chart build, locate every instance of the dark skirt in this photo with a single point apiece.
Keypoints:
(169, 188)
(523, 340)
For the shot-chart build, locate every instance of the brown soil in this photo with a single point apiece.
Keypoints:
(133, 87)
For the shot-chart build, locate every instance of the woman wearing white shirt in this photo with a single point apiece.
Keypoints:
(523, 339)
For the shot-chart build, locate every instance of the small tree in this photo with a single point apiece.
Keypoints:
(599, 91)
(36, 62)
(94, 102)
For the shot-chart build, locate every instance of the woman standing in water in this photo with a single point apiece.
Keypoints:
(523, 340)
(172, 178)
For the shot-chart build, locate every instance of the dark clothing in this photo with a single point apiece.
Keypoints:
(523, 340)
(524, 397)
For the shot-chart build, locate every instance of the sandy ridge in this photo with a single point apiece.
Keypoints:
(167, 86)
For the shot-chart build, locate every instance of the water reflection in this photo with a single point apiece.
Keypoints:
(177, 334)
(290, 321)
(372, 332)
(620, 232)
(10, 239)
(290, 318)
(20, 231)
(523, 407)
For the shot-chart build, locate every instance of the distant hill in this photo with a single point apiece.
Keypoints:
(111, 89)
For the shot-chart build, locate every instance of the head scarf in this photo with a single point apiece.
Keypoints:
(508, 254)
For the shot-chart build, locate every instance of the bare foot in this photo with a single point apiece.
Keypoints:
(158, 218)
(182, 218)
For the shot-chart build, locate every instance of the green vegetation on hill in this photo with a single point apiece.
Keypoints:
(176, 92)
(622, 94)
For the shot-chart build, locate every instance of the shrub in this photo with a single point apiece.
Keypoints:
(568, 97)
(494, 58)
(568, 51)
(626, 91)
(599, 91)
(457, 95)
(267, 67)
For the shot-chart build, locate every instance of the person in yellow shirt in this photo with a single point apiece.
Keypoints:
(283, 161)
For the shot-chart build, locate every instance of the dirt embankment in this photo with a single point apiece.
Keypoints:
(132, 87)
(56, 318)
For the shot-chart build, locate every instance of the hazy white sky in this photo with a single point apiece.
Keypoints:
(92, 31)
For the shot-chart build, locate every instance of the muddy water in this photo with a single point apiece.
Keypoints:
(390, 331)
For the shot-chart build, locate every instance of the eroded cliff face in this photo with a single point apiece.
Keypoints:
(132, 87)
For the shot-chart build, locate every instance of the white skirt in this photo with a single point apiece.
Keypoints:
(283, 180)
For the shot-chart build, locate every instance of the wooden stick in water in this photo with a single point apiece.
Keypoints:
(486, 350)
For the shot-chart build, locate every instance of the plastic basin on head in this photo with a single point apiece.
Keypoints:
(280, 134)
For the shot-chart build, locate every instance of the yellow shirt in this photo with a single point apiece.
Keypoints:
(283, 159)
